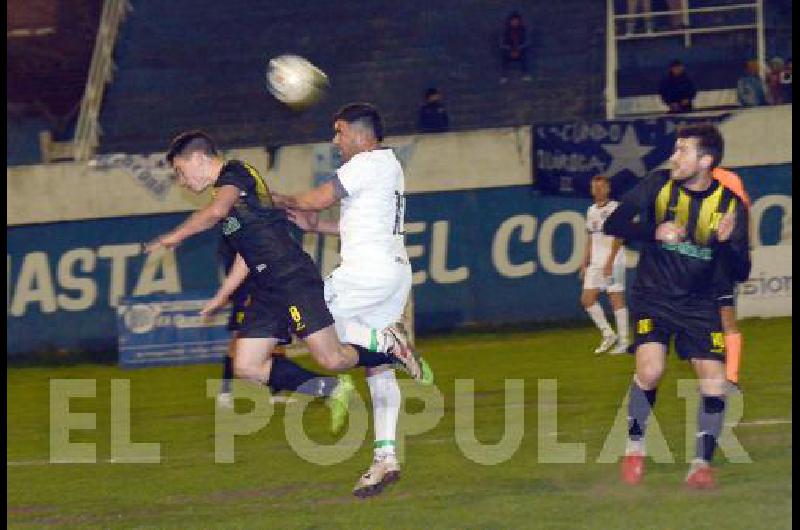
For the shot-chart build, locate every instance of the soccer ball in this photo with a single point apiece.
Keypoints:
(296, 82)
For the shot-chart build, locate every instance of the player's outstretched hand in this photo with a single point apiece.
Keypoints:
(165, 241)
(151, 246)
(213, 305)
(306, 220)
(726, 225)
(670, 232)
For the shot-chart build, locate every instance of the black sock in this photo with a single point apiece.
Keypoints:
(371, 358)
(227, 373)
(288, 375)
(710, 415)
(640, 404)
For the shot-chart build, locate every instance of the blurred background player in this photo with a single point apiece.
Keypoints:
(371, 286)
(603, 269)
(726, 289)
(689, 224)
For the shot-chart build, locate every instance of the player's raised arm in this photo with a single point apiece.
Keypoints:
(310, 222)
(200, 220)
(621, 222)
(323, 196)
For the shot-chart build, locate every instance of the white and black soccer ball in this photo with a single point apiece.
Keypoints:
(293, 80)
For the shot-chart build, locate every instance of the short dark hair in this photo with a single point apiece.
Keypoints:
(189, 142)
(364, 114)
(431, 92)
(675, 62)
(602, 178)
(709, 140)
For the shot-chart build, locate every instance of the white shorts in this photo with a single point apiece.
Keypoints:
(370, 300)
(595, 279)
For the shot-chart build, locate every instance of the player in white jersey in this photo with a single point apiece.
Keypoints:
(603, 269)
(373, 281)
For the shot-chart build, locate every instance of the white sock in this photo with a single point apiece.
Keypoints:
(599, 318)
(622, 324)
(634, 447)
(386, 399)
(372, 339)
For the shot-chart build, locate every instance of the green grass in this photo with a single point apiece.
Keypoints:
(269, 486)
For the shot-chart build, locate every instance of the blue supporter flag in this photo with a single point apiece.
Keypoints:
(568, 155)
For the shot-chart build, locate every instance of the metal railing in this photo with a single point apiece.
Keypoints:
(101, 70)
(612, 37)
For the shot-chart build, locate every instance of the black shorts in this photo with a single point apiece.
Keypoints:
(278, 309)
(697, 327)
(726, 293)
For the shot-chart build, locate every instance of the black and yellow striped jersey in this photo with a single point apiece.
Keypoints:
(687, 270)
(256, 229)
(226, 251)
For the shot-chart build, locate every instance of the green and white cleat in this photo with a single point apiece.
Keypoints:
(339, 401)
(427, 372)
(407, 358)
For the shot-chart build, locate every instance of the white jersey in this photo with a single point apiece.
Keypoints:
(601, 243)
(372, 213)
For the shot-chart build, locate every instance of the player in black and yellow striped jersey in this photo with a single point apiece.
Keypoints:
(692, 230)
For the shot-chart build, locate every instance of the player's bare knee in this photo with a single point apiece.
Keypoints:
(243, 370)
(713, 386)
(648, 377)
(332, 362)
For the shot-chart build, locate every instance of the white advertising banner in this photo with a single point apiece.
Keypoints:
(768, 291)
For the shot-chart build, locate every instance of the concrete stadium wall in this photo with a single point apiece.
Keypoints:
(485, 247)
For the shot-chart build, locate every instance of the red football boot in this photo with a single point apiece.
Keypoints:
(632, 468)
(700, 477)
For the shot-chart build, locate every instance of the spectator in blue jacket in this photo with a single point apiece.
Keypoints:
(750, 87)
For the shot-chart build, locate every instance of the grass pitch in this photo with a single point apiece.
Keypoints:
(270, 486)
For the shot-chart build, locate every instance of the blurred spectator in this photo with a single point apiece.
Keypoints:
(432, 114)
(750, 87)
(786, 82)
(514, 47)
(676, 89)
(774, 90)
(633, 8)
